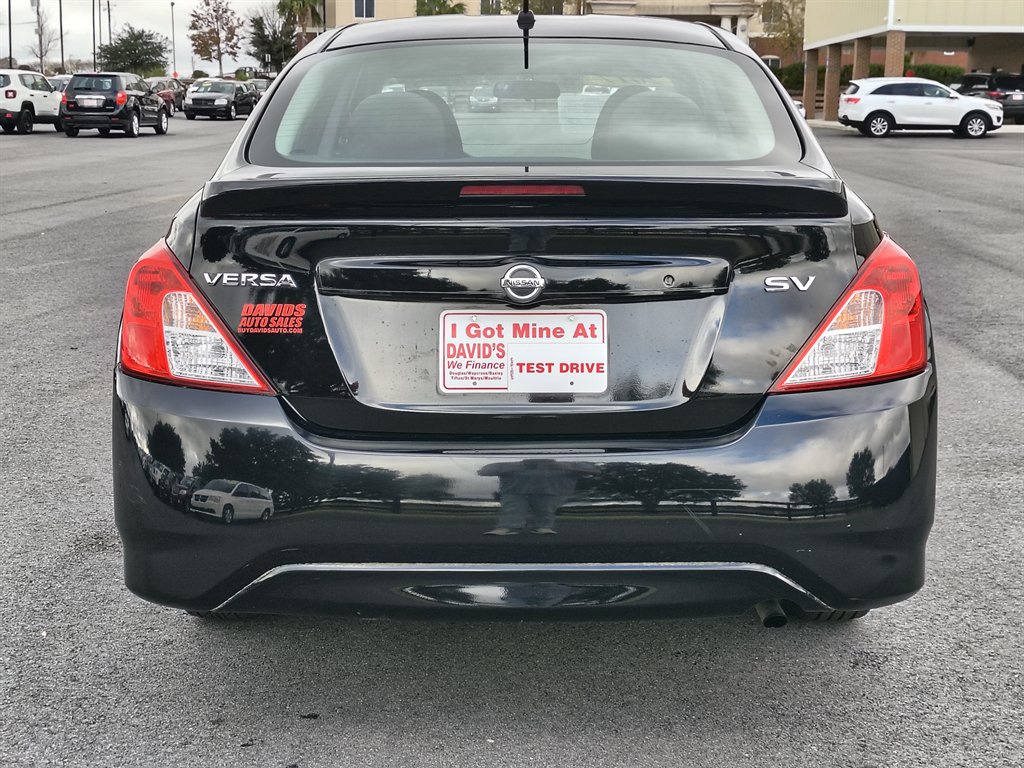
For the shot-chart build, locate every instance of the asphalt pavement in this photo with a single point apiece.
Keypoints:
(92, 676)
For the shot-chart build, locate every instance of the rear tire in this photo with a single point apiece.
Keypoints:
(161, 123)
(880, 124)
(103, 131)
(232, 112)
(171, 109)
(974, 125)
(25, 122)
(59, 126)
(190, 116)
(227, 514)
(134, 126)
(7, 128)
(70, 131)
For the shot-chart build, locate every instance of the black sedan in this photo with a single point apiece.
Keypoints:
(593, 355)
(219, 98)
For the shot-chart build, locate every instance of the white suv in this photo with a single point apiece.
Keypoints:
(27, 98)
(231, 500)
(876, 106)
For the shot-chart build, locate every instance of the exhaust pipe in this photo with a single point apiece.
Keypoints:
(771, 613)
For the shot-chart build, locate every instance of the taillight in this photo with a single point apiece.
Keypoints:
(994, 94)
(170, 333)
(10, 94)
(64, 98)
(121, 98)
(875, 332)
(851, 99)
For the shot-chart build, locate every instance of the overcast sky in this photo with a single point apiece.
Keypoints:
(154, 15)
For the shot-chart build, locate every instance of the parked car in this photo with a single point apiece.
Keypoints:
(59, 82)
(112, 101)
(1007, 89)
(182, 489)
(170, 90)
(231, 500)
(664, 363)
(482, 99)
(27, 98)
(261, 85)
(877, 106)
(219, 98)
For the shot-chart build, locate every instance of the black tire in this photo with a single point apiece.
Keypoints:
(975, 125)
(863, 130)
(171, 108)
(190, 116)
(232, 113)
(103, 131)
(832, 616)
(7, 128)
(25, 121)
(214, 117)
(162, 121)
(134, 127)
(227, 514)
(58, 126)
(266, 515)
(70, 131)
(879, 124)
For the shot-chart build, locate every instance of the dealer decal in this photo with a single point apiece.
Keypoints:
(272, 318)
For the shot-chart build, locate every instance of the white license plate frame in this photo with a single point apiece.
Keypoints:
(523, 352)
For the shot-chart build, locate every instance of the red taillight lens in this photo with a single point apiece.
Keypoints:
(875, 332)
(851, 99)
(994, 95)
(522, 190)
(63, 98)
(169, 332)
(10, 94)
(121, 98)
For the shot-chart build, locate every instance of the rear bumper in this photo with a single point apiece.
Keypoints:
(85, 120)
(206, 111)
(645, 528)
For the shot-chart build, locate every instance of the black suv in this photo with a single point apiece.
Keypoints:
(112, 101)
(220, 98)
(1007, 89)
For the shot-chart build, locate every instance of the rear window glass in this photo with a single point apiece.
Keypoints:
(580, 102)
(93, 83)
(1010, 83)
(4, 80)
(853, 88)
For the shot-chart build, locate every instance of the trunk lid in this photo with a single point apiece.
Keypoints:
(338, 289)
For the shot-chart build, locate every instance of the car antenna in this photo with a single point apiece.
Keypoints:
(525, 20)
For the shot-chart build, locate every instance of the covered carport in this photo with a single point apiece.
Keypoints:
(990, 31)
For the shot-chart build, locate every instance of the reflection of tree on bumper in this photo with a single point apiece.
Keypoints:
(531, 491)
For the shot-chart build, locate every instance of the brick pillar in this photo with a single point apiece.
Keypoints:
(861, 58)
(810, 81)
(895, 45)
(832, 67)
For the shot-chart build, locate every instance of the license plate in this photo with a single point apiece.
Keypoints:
(90, 102)
(525, 352)
(1017, 97)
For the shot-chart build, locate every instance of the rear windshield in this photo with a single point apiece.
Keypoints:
(852, 89)
(1015, 83)
(214, 88)
(580, 102)
(93, 83)
(219, 485)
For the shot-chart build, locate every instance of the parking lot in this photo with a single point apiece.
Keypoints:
(93, 676)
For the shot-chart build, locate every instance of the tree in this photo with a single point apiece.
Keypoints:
(45, 37)
(783, 22)
(539, 7)
(273, 37)
(199, 73)
(860, 477)
(816, 494)
(438, 7)
(299, 12)
(136, 50)
(215, 31)
(165, 446)
(654, 483)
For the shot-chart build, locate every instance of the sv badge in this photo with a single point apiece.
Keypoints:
(772, 284)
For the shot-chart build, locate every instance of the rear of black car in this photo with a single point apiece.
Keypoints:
(597, 353)
(1007, 89)
(111, 101)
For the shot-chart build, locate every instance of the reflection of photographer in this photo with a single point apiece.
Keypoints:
(531, 491)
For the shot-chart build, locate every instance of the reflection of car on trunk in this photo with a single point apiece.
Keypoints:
(231, 500)
(182, 489)
(483, 99)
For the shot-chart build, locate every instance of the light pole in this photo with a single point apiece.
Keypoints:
(174, 47)
(93, 35)
(10, 36)
(60, 17)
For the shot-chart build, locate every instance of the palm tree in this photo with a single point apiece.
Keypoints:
(299, 11)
